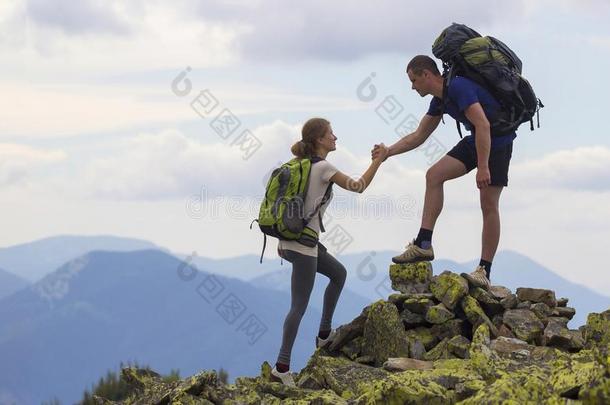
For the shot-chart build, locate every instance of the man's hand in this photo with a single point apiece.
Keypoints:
(380, 151)
(483, 177)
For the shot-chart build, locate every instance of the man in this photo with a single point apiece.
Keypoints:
(474, 107)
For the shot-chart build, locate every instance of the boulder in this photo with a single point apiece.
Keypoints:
(384, 334)
(524, 324)
(597, 329)
(537, 295)
(411, 278)
(405, 363)
(438, 314)
(449, 288)
(475, 314)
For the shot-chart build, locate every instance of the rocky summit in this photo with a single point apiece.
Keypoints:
(437, 340)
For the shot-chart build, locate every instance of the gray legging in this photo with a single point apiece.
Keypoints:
(304, 270)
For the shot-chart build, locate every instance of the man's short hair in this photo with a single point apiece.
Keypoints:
(421, 62)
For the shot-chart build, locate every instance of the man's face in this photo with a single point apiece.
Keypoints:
(419, 83)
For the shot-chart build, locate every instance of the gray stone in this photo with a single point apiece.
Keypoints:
(417, 350)
(525, 325)
(537, 295)
(449, 288)
(556, 334)
(459, 346)
(541, 310)
(418, 305)
(438, 314)
(411, 278)
(509, 302)
(405, 363)
(499, 292)
(411, 319)
(384, 334)
(564, 312)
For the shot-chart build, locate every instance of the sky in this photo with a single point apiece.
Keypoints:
(113, 121)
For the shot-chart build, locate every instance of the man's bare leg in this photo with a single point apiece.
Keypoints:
(446, 168)
(490, 198)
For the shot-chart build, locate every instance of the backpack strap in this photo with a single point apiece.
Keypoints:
(308, 218)
(317, 210)
(264, 241)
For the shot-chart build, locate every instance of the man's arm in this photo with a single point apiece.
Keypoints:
(426, 126)
(476, 116)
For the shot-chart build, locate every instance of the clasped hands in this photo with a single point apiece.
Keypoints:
(380, 152)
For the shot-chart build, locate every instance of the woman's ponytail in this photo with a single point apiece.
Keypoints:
(314, 129)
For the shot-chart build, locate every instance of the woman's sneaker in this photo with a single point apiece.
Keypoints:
(478, 278)
(284, 378)
(325, 342)
(414, 253)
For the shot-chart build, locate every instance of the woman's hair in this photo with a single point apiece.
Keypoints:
(314, 128)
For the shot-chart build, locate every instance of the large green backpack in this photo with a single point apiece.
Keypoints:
(493, 65)
(282, 211)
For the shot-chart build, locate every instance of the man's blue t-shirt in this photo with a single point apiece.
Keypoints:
(463, 93)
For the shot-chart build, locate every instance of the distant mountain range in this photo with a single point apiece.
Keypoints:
(9, 283)
(58, 336)
(32, 261)
(85, 314)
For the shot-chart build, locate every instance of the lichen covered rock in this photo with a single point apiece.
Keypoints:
(411, 278)
(384, 334)
(524, 324)
(434, 342)
(449, 288)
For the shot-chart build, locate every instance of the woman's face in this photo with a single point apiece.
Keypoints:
(328, 141)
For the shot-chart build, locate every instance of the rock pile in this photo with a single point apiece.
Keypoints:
(438, 340)
(434, 317)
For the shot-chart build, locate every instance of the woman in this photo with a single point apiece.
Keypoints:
(317, 141)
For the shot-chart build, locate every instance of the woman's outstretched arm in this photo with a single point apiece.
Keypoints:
(359, 185)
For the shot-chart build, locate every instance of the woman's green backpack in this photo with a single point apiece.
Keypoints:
(282, 211)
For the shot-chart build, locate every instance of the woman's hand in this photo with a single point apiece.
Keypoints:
(380, 152)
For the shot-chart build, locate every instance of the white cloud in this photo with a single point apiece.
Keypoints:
(84, 16)
(67, 110)
(169, 165)
(172, 165)
(342, 30)
(57, 39)
(59, 110)
(585, 168)
(18, 161)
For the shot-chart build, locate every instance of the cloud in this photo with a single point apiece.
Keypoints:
(118, 37)
(18, 161)
(70, 40)
(581, 169)
(347, 30)
(85, 16)
(170, 165)
(73, 109)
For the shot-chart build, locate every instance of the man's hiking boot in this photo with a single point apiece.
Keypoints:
(478, 278)
(414, 254)
(325, 342)
(284, 378)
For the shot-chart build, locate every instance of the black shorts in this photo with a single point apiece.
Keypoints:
(499, 160)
